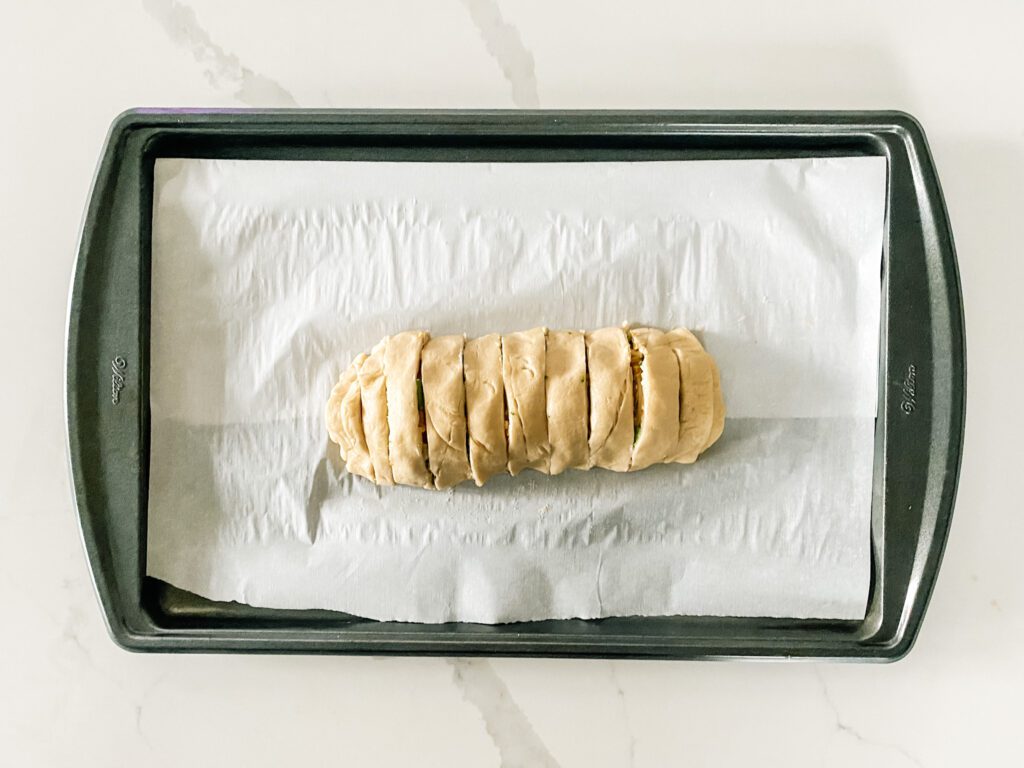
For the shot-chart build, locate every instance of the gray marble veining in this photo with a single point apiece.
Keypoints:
(843, 726)
(505, 44)
(222, 69)
(517, 742)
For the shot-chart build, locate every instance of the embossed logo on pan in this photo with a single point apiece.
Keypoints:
(118, 371)
(909, 390)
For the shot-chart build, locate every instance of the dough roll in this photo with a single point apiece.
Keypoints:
(435, 412)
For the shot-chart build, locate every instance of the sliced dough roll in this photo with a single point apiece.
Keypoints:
(611, 399)
(444, 404)
(485, 407)
(433, 413)
(698, 388)
(345, 421)
(373, 395)
(522, 366)
(566, 400)
(656, 419)
(406, 445)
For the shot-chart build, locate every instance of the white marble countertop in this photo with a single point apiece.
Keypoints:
(68, 696)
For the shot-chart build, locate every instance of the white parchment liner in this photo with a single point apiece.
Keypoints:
(268, 277)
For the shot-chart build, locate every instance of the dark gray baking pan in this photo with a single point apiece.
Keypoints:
(919, 431)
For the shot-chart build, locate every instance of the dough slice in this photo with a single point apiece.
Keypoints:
(718, 408)
(698, 389)
(336, 426)
(656, 398)
(611, 399)
(373, 396)
(523, 366)
(345, 421)
(444, 404)
(406, 425)
(485, 407)
(566, 400)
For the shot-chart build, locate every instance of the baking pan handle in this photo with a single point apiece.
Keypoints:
(105, 377)
(924, 394)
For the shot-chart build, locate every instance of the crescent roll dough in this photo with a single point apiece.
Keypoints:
(566, 400)
(611, 399)
(444, 405)
(485, 407)
(657, 416)
(405, 435)
(345, 421)
(718, 408)
(375, 413)
(523, 357)
(433, 413)
(698, 386)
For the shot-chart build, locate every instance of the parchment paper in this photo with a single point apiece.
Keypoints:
(268, 277)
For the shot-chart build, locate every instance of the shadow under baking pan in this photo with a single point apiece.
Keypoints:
(919, 429)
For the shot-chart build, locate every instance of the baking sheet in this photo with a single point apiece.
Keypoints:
(268, 277)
